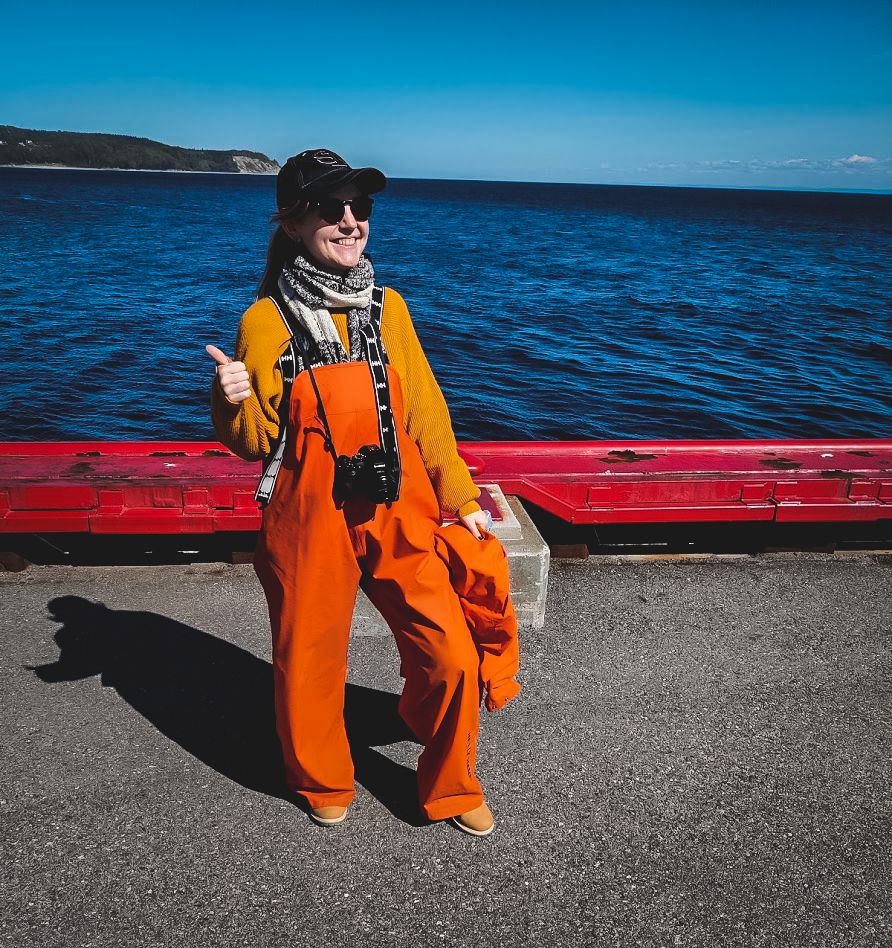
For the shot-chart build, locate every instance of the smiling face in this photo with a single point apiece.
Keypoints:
(336, 246)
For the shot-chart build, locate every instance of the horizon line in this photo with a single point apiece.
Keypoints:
(580, 184)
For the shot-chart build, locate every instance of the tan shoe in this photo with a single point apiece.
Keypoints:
(329, 815)
(477, 822)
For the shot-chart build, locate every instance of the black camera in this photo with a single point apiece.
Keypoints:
(364, 473)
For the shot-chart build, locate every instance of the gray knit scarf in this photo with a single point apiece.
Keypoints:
(311, 292)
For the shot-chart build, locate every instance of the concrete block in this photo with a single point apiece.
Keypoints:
(528, 562)
(508, 527)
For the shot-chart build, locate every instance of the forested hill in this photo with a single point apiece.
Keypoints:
(26, 146)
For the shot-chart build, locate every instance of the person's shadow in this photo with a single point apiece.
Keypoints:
(216, 699)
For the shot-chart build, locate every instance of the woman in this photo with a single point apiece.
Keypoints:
(328, 525)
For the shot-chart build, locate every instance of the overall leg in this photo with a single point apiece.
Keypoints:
(311, 599)
(409, 585)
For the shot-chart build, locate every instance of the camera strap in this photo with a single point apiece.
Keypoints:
(273, 463)
(376, 356)
(387, 436)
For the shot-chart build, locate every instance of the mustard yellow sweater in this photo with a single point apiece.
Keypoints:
(250, 427)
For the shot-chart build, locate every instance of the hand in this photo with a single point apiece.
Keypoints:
(476, 522)
(232, 376)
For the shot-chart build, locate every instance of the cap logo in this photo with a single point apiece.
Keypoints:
(327, 158)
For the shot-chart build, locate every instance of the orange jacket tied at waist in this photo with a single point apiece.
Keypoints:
(478, 570)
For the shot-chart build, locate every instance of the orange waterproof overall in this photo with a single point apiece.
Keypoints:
(312, 554)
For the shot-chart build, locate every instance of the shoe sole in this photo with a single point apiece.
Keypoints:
(325, 822)
(467, 829)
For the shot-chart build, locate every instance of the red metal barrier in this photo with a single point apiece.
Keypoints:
(694, 481)
(200, 487)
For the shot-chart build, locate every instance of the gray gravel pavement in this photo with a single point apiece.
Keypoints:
(700, 756)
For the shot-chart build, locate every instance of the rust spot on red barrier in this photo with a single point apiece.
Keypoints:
(167, 454)
(88, 454)
(82, 467)
(215, 454)
(627, 457)
(781, 464)
(862, 454)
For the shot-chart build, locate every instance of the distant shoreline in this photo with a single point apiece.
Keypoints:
(240, 174)
(584, 184)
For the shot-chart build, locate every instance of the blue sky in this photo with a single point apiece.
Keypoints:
(773, 94)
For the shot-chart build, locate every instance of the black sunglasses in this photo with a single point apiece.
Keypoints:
(331, 209)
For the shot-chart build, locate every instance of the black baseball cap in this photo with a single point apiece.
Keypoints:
(319, 171)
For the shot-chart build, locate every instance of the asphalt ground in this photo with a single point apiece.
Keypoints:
(700, 756)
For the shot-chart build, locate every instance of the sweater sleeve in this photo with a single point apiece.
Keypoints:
(250, 427)
(428, 422)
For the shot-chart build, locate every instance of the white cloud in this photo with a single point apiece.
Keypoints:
(854, 164)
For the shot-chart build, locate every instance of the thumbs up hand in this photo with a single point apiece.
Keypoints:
(231, 376)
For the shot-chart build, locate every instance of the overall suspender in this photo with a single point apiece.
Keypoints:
(376, 359)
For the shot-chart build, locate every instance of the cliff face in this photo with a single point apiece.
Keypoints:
(25, 146)
(246, 164)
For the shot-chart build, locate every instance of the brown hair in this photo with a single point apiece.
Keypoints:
(281, 249)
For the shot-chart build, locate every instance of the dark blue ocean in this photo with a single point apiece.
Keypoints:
(546, 311)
